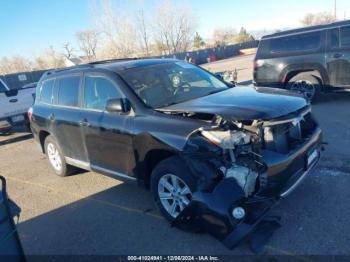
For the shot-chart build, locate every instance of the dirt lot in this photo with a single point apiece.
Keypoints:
(92, 214)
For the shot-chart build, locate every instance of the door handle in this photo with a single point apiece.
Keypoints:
(84, 122)
(52, 117)
(337, 55)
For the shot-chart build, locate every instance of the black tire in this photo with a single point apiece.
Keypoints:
(175, 166)
(27, 127)
(65, 169)
(309, 79)
(6, 132)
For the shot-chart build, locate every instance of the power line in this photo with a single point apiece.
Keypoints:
(335, 9)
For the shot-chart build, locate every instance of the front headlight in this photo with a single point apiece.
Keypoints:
(226, 139)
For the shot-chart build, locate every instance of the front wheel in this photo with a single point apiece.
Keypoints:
(172, 186)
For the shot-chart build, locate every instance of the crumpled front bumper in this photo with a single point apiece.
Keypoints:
(211, 212)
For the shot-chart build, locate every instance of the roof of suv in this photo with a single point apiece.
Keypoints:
(112, 65)
(308, 29)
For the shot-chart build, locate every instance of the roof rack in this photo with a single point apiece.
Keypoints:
(308, 28)
(52, 71)
(49, 72)
(111, 61)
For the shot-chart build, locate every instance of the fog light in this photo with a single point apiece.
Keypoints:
(238, 213)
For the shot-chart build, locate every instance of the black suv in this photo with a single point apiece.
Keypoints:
(308, 60)
(180, 130)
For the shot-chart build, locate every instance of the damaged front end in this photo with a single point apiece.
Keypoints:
(233, 167)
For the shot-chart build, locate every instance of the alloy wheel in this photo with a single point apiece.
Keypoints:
(54, 156)
(304, 87)
(174, 194)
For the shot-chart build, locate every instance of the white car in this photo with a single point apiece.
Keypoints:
(14, 105)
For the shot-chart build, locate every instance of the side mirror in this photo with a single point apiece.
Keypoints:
(118, 105)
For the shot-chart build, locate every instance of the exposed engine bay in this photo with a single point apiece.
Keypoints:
(230, 160)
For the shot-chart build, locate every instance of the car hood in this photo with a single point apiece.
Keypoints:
(244, 103)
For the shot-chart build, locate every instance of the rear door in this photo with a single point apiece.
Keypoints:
(338, 56)
(107, 135)
(65, 116)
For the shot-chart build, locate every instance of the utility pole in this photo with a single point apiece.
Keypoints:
(335, 9)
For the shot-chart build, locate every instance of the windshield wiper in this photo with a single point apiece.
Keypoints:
(169, 104)
(217, 91)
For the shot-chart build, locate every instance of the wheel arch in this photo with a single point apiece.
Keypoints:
(150, 149)
(317, 71)
(42, 136)
(151, 160)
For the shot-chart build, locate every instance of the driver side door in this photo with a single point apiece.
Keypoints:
(107, 136)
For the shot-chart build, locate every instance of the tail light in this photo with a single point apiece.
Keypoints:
(255, 65)
(258, 63)
(30, 113)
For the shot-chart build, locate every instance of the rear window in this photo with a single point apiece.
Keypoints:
(68, 91)
(46, 91)
(296, 43)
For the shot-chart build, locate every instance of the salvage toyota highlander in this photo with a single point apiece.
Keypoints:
(216, 156)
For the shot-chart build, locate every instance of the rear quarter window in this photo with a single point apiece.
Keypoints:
(345, 36)
(296, 43)
(45, 90)
(68, 91)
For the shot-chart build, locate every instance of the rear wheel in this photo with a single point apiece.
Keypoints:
(6, 131)
(172, 186)
(56, 158)
(307, 85)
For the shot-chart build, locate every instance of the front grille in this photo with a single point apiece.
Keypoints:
(285, 137)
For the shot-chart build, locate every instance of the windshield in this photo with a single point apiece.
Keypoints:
(171, 83)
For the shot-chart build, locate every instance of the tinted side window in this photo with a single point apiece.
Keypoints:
(97, 90)
(68, 91)
(295, 43)
(334, 38)
(345, 36)
(46, 91)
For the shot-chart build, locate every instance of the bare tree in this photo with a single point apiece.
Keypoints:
(318, 18)
(143, 30)
(117, 29)
(88, 41)
(68, 50)
(14, 64)
(224, 36)
(49, 59)
(174, 27)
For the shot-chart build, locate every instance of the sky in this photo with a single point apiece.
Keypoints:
(27, 27)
